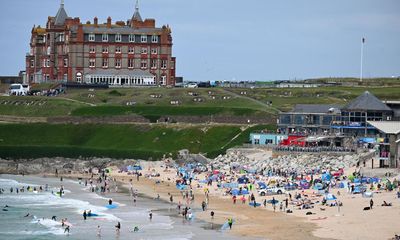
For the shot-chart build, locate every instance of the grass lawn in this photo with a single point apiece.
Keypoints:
(118, 141)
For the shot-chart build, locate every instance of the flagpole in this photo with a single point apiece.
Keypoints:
(362, 56)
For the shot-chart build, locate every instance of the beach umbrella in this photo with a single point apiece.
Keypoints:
(330, 197)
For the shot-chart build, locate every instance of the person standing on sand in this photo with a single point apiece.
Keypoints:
(171, 199)
(212, 214)
(234, 199)
(371, 204)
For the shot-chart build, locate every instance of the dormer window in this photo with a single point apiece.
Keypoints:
(154, 39)
(104, 37)
(131, 38)
(144, 38)
(91, 37)
(118, 37)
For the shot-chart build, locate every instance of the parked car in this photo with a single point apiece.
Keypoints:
(271, 191)
(192, 85)
(17, 89)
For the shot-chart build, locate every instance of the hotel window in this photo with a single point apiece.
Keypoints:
(143, 64)
(61, 37)
(144, 38)
(91, 37)
(131, 63)
(131, 38)
(172, 65)
(144, 51)
(154, 51)
(92, 62)
(118, 37)
(92, 49)
(131, 50)
(163, 80)
(65, 62)
(47, 62)
(117, 63)
(117, 49)
(105, 49)
(154, 39)
(104, 37)
(32, 63)
(153, 63)
(164, 64)
(105, 63)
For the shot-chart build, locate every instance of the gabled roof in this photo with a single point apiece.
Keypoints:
(367, 101)
(316, 108)
(388, 127)
(61, 15)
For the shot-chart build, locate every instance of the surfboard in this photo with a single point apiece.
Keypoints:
(272, 201)
(226, 225)
(112, 206)
(93, 215)
(252, 204)
(68, 224)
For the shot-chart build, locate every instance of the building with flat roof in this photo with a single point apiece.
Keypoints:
(388, 142)
(124, 53)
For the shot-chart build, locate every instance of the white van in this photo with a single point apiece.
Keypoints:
(17, 89)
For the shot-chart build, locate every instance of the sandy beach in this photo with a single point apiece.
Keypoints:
(348, 222)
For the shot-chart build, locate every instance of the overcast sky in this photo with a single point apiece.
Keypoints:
(241, 40)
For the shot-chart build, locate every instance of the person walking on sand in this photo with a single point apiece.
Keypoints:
(234, 199)
(230, 222)
(371, 204)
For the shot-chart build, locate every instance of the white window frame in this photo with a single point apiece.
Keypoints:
(131, 37)
(104, 37)
(118, 63)
(131, 50)
(65, 62)
(61, 37)
(143, 50)
(118, 49)
(143, 64)
(131, 63)
(163, 80)
(92, 62)
(104, 49)
(154, 51)
(92, 49)
(92, 37)
(164, 64)
(47, 62)
(143, 38)
(154, 39)
(118, 37)
(153, 63)
(104, 63)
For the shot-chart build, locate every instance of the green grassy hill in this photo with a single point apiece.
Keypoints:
(117, 141)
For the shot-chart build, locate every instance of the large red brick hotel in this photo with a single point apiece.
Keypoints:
(123, 53)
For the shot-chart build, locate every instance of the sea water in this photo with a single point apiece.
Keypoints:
(42, 206)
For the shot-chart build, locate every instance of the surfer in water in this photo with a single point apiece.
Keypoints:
(84, 215)
(54, 218)
(151, 215)
(110, 202)
(118, 227)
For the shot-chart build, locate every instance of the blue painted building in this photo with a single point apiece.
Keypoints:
(266, 138)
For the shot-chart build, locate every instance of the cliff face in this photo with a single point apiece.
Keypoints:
(63, 165)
